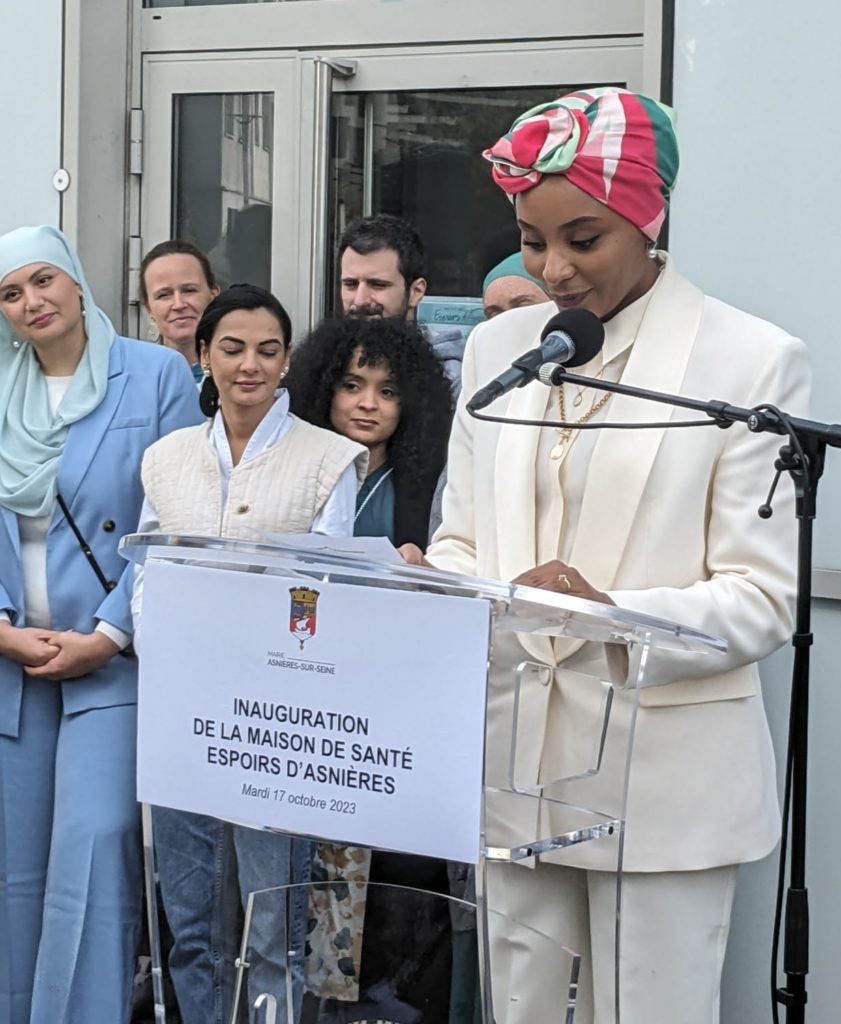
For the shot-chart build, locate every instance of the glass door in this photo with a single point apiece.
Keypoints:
(407, 131)
(217, 165)
(264, 160)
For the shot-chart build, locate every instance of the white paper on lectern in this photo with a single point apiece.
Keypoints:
(377, 549)
(239, 716)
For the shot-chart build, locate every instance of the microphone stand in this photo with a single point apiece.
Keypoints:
(803, 459)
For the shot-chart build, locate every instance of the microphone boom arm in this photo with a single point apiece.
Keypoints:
(722, 413)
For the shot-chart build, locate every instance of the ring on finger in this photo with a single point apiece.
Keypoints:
(563, 578)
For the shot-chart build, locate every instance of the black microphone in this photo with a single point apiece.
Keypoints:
(570, 338)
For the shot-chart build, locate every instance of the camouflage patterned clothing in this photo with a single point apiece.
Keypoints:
(335, 921)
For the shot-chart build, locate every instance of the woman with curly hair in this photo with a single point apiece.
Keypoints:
(379, 383)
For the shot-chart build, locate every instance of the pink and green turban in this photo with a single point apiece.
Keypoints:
(617, 146)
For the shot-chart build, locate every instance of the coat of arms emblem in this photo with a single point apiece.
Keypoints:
(302, 613)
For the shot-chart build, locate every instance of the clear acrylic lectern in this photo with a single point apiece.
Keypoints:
(390, 719)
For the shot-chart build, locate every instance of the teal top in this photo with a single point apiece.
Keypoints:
(375, 505)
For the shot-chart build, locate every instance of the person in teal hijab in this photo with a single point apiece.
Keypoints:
(509, 286)
(79, 405)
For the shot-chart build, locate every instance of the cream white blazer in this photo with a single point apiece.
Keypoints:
(669, 527)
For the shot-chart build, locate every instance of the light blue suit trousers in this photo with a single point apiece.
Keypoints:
(73, 875)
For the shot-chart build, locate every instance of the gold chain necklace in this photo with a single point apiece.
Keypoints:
(565, 433)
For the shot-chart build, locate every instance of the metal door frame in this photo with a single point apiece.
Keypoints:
(168, 76)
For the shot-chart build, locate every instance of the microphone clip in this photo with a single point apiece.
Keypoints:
(552, 374)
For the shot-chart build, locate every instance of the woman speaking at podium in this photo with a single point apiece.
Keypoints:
(662, 522)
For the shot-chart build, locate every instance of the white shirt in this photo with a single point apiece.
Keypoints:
(33, 538)
(334, 520)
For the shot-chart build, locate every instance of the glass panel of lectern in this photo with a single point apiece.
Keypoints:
(313, 925)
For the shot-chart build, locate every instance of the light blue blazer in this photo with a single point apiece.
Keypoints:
(151, 392)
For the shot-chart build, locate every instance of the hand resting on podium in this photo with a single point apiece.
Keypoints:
(561, 578)
(412, 554)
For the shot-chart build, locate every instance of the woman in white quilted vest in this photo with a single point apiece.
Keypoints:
(252, 467)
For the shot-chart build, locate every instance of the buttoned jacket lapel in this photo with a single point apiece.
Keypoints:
(85, 436)
(622, 459)
(83, 440)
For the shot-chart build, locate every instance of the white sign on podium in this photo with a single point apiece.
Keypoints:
(317, 708)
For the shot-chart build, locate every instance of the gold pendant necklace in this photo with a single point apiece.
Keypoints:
(560, 445)
(579, 395)
(565, 434)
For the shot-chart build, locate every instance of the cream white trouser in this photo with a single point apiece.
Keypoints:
(673, 937)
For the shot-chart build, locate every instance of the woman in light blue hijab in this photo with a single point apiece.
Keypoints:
(78, 407)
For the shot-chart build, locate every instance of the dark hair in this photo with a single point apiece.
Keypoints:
(174, 247)
(417, 450)
(372, 234)
(238, 296)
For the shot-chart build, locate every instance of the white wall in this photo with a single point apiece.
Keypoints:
(30, 84)
(757, 216)
(90, 106)
(757, 222)
(97, 123)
